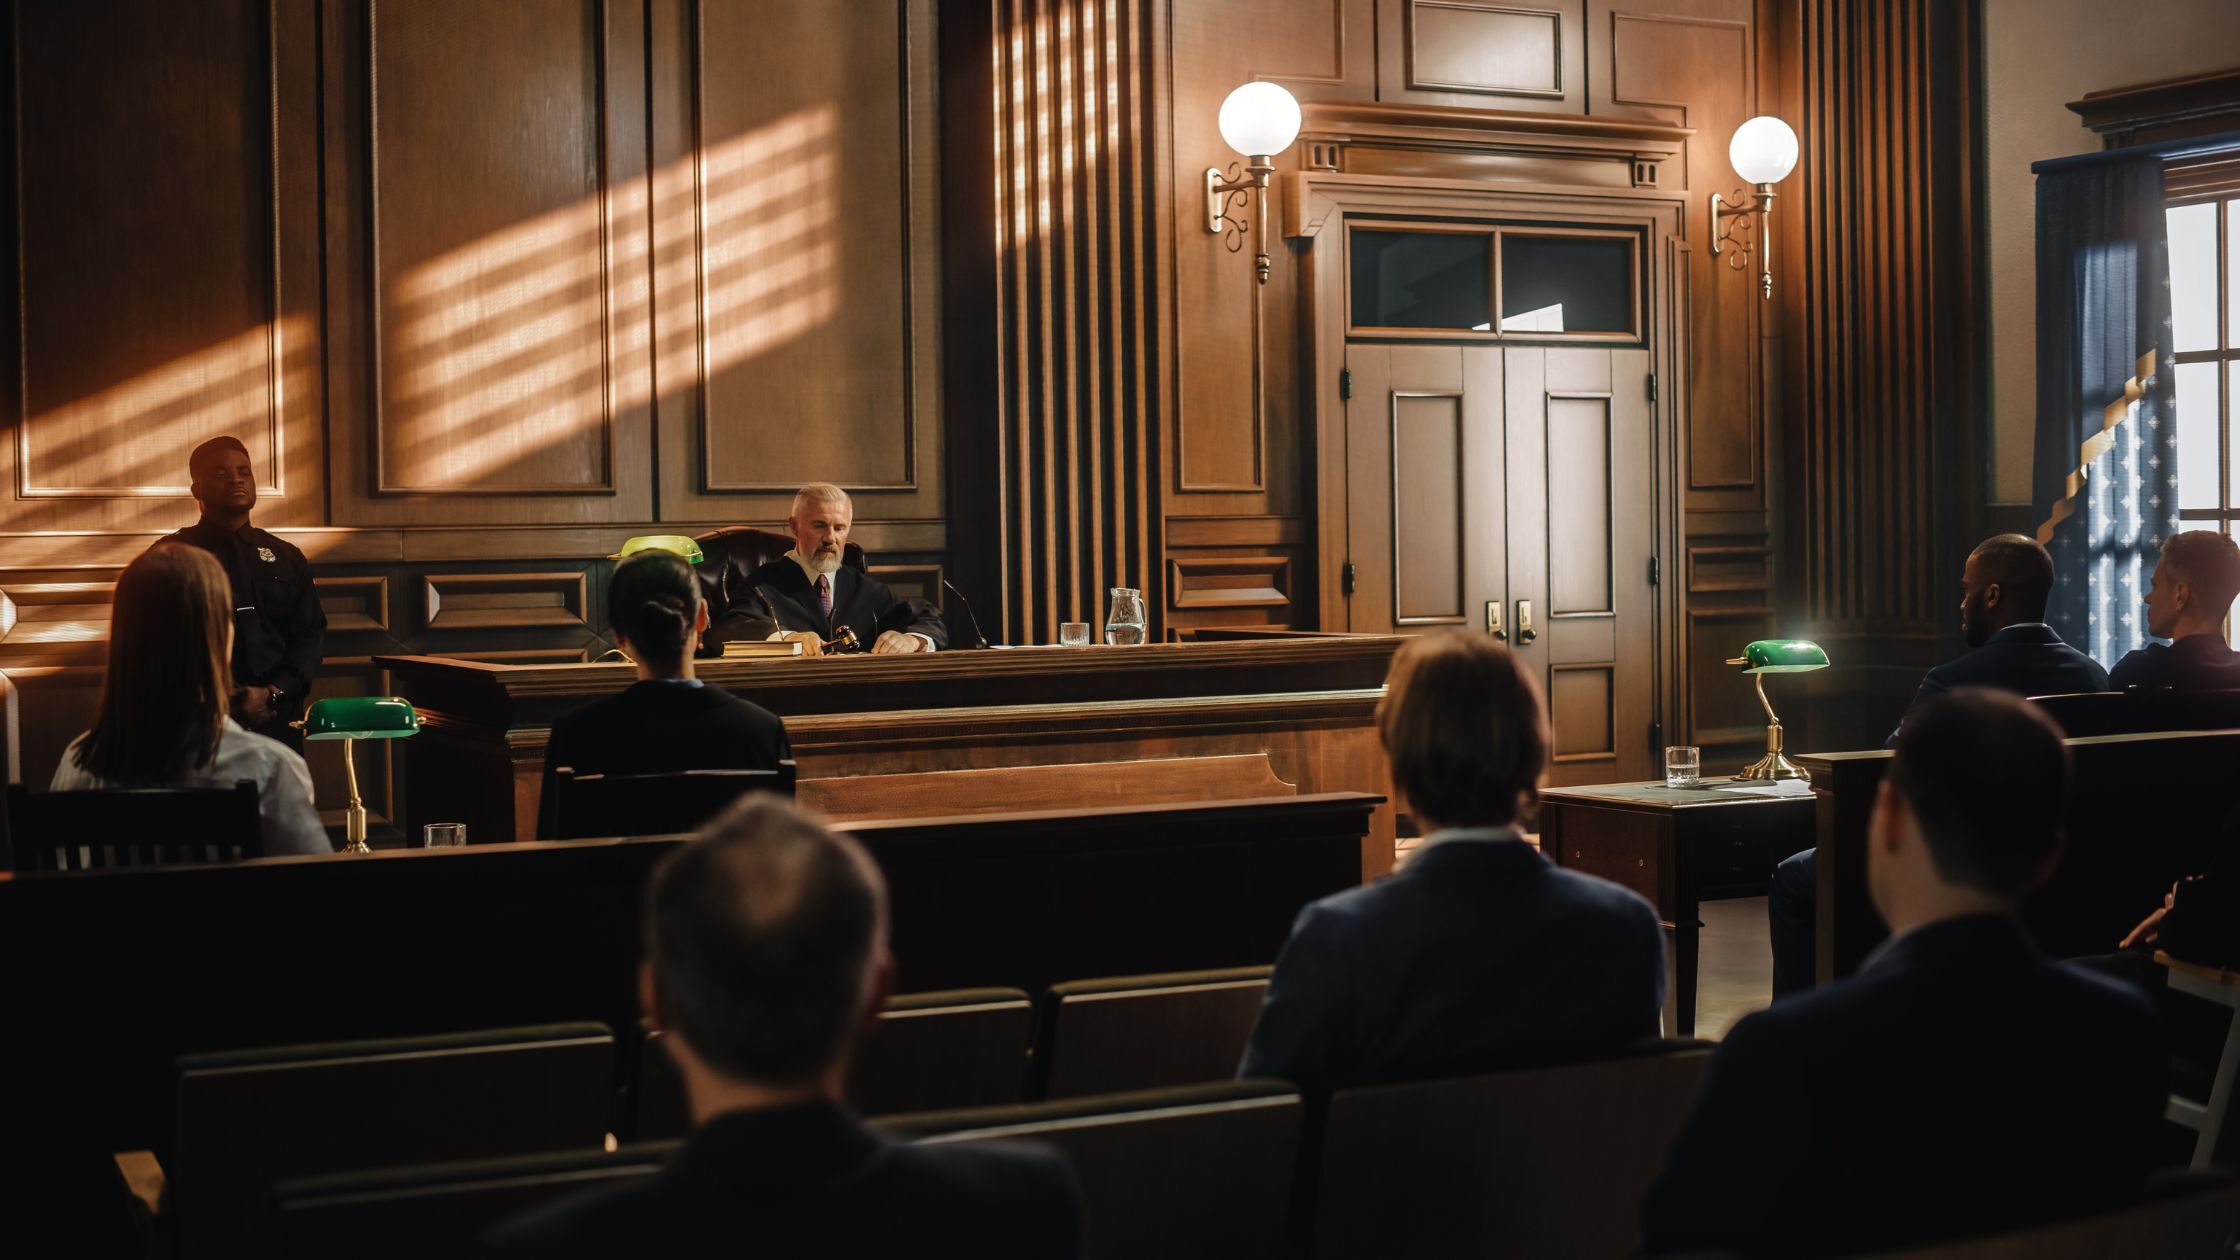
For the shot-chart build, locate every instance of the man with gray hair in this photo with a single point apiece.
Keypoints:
(766, 956)
(808, 595)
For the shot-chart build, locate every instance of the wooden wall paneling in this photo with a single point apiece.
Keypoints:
(1888, 407)
(1729, 602)
(1237, 445)
(489, 308)
(1695, 63)
(1239, 571)
(1483, 54)
(1081, 386)
(144, 320)
(797, 230)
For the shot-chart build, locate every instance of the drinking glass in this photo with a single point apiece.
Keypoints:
(1683, 766)
(1073, 634)
(1126, 625)
(443, 835)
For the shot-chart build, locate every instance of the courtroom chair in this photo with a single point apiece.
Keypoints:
(729, 555)
(91, 830)
(1202, 1170)
(2189, 1215)
(2208, 1116)
(438, 1211)
(595, 805)
(930, 1051)
(247, 1119)
(1545, 1161)
(1145, 1032)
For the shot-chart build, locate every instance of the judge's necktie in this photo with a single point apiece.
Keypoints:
(824, 594)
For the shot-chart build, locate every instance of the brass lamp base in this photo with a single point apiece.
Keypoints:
(354, 819)
(1775, 766)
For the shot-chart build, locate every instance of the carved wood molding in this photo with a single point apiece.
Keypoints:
(1330, 130)
(2169, 109)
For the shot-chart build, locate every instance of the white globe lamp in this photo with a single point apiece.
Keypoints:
(1258, 120)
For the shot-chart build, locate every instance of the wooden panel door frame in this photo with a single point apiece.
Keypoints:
(1320, 203)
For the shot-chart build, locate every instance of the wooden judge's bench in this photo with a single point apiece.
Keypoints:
(954, 732)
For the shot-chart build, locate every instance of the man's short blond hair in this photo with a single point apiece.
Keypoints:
(817, 492)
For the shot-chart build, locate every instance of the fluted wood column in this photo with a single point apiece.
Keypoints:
(1883, 385)
(1067, 339)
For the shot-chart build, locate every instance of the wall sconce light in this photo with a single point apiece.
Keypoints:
(1763, 152)
(1258, 120)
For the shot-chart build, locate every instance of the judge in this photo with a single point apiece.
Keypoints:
(279, 629)
(807, 595)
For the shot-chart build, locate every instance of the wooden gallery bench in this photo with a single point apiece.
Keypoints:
(113, 973)
(2144, 809)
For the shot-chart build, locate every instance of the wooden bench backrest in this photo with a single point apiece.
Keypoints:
(1540, 1162)
(1087, 785)
(1146, 1032)
(250, 1119)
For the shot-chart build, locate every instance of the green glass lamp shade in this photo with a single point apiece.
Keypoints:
(1781, 656)
(360, 717)
(681, 544)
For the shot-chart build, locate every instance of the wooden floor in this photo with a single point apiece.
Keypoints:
(1734, 974)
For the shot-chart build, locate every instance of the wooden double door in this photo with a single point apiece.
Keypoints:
(1511, 491)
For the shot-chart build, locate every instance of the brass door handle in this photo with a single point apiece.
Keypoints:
(1525, 632)
(1493, 620)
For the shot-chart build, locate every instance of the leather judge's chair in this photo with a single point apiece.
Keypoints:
(730, 554)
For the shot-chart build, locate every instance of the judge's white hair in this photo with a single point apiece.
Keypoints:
(817, 492)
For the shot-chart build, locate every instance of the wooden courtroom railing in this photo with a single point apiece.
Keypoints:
(1307, 705)
(2144, 810)
(113, 973)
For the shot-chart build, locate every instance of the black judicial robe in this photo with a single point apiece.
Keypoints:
(279, 629)
(784, 599)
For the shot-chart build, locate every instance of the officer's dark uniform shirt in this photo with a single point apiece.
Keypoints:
(279, 630)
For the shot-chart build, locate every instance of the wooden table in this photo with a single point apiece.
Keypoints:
(1307, 706)
(1677, 847)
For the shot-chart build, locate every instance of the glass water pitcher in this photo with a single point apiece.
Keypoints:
(1126, 625)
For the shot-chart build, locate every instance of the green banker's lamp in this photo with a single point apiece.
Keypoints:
(1777, 656)
(681, 544)
(349, 718)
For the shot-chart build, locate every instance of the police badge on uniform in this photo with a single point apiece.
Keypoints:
(265, 554)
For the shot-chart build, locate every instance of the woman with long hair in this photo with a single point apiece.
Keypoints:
(669, 719)
(163, 719)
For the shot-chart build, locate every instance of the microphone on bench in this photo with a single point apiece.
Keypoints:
(979, 640)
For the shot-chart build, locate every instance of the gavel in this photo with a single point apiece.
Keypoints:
(844, 641)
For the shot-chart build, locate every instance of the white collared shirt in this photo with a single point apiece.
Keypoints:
(1453, 835)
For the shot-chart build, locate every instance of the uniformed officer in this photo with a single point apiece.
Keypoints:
(278, 626)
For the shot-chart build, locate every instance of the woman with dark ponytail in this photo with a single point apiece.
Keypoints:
(669, 719)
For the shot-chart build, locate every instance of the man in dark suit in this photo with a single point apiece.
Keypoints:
(1961, 1082)
(279, 628)
(766, 955)
(2188, 599)
(1480, 950)
(807, 595)
(2003, 592)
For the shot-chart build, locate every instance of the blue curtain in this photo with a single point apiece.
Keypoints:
(2106, 475)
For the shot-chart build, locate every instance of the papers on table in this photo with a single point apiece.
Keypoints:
(1787, 787)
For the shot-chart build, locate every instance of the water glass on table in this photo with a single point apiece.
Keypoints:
(1073, 634)
(443, 835)
(1683, 766)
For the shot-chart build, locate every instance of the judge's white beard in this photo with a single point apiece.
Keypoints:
(824, 563)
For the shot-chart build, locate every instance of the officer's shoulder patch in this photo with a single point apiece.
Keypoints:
(265, 554)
